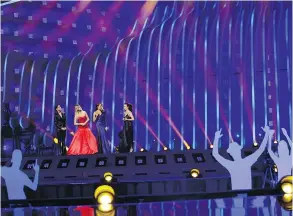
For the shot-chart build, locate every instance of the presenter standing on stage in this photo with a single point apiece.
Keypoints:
(99, 117)
(127, 129)
(60, 124)
(83, 142)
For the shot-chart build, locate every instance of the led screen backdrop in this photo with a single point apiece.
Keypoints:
(188, 68)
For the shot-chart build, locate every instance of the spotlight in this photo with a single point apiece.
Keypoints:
(143, 150)
(165, 148)
(285, 201)
(255, 144)
(55, 140)
(105, 208)
(188, 147)
(276, 141)
(275, 168)
(194, 173)
(108, 177)
(285, 185)
(237, 135)
(104, 194)
(211, 146)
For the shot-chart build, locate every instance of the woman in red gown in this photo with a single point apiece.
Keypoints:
(83, 142)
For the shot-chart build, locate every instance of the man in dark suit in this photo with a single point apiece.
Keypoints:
(60, 124)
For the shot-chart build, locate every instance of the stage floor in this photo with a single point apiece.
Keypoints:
(236, 206)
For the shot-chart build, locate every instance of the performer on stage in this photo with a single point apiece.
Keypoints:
(60, 124)
(99, 117)
(127, 136)
(83, 142)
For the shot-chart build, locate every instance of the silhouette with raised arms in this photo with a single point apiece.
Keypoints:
(239, 168)
(283, 160)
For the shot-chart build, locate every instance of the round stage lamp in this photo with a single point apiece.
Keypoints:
(194, 173)
(275, 141)
(285, 201)
(105, 210)
(105, 198)
(188, 148)
(211, 146)
(108, 176)
(104, 194)
(55, 140)
(286, 185)
(165, 148)
(255, 144)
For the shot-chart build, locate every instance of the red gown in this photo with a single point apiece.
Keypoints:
(83, 142)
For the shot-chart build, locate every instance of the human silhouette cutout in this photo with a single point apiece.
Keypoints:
(239, 168)
(283, 160)
(16, 179)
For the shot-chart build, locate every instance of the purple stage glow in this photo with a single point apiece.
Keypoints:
(188, 68)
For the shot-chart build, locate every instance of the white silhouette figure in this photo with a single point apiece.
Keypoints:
(16, 179)
(239, 168)
(284, 158)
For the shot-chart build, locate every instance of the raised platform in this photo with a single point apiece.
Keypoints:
(137, 174)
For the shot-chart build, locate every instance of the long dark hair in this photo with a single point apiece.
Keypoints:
(97, 107)
(56, 108)
(129, 106)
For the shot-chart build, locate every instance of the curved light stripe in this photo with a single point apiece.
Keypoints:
(264, 65)
(30, 90)
(241, 77)
(170, 84)
(165, 13)
(114, 91)
(206, 81)
(93, 87)
(125, 70)
(44, 91)
(104, 76)
(20, 87)
(54, 93)
(79, 74)
(288, 70)
(230, 84)
(4, 77)
(154, 16)
(252, 72)
(159, 76)
(276, 76)
(68, 86)
(217, 81)
(182, 76)
(147, 145)
(147, 85)
(136, 83)
(194, 143)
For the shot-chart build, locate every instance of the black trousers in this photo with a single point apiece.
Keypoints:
(61, 135)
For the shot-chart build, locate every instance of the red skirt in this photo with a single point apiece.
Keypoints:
(83, 142)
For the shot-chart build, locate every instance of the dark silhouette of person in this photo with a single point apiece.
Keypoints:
(284, 157)
(239, 168)
(16, 179)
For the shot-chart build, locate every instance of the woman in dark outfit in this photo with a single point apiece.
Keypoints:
(99, 117)
(127, 129)
(60, 124)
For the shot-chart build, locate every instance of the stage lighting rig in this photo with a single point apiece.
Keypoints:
(104, 195)
(194, 173)
(286, 189)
